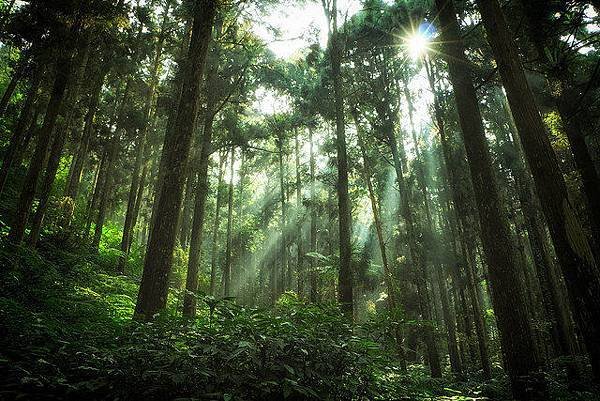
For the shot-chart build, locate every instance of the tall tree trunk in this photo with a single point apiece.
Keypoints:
(449, 320)
(138, 200)
(516, 336)
(227, 267)
(283, 222)
(585, 165)
(387, 271)
(461, 200)
(18, 73)
(131, 202)
(188, 203)
(72, 187)
(215, 230)
(59, 142)
(107, 188)
(17, 139)
(570, 243)
(44, 137)
(152, 296)
(191, 286)
(299, 237)
(415, 254)
(345, 294)
(96, 190)
(314, 290)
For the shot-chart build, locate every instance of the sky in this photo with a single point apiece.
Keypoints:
(299, 25)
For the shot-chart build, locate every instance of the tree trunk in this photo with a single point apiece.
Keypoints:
(345, 294)
(227, 267)
(299, 237)
(131, 202)
(387, 271)
(58, 143)
(188, 201)
(63, 76)
(72, 187)
(215, 230)
(570, 243)
(107, 188)
(152, 296)
(17, 139)
(585, 165)
(18, 73)
(516, 336)
(283, 223)
(191, 285)
(314, 290)
(96, 191)
(462, 203)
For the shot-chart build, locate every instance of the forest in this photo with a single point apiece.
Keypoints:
(300, 200)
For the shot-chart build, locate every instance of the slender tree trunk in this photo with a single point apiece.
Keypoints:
(345, 294)
(107, 188)
(17, 139)
(189, 302)
(188, 201)
(96, 191)
(18, 73)
(131, 202)
(387, 271)
(138, 201)
(283, 222)
(570, 243)
(72, 187)
(460, 200)
(585, 165)
(300, 248)
(215, 230)
(314, 290)
(63, 76)
(58, 143)
(416, 256)
(516, 336)
(153, 291)
(227, 267)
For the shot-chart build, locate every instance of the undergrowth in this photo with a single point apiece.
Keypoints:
(66, 333)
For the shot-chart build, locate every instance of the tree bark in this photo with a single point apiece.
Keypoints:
(283, 222)
(387, 271)
(76, 169)
(17, 139)
(345, 293)
(570, 243)
(18, 73)
(107, 188)
(314, 290)
(227, 266)
(299, 237)
(63, 76)
(58, 143)
(516, 336)
(215, 230)
(191, 286)
(152, 296)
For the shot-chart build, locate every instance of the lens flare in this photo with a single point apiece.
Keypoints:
(417, 43)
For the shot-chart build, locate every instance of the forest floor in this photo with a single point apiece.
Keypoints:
(66, 333)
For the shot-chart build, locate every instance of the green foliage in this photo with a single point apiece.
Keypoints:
(66, 332)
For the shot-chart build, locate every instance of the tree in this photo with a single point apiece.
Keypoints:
(518, 348)
(153, 291)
